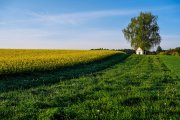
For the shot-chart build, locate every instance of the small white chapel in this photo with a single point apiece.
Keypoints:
(139, 51)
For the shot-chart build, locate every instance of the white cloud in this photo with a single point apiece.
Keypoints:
(75, 18)
(65, 18)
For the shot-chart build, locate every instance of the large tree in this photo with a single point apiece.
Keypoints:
(143, 31)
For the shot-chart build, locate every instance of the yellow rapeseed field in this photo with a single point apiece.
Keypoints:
(22, 60)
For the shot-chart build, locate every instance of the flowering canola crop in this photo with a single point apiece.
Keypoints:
(22, 60)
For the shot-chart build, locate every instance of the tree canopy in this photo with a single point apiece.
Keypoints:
(143, 31)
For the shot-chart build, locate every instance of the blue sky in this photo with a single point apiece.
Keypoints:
(81, 24)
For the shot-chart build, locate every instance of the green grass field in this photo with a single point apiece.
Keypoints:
(118, 87)
(173, 63)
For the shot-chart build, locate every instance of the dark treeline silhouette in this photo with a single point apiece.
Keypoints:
(128, 51)
(159, 51)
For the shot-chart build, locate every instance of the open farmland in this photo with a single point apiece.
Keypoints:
(138, 87)
(24, 61)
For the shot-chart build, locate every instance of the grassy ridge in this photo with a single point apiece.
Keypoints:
(141, 87)
(24, 61)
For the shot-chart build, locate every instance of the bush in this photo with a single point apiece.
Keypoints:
(175, 53)
(162, 53)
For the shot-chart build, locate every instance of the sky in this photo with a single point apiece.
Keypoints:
(82, 24)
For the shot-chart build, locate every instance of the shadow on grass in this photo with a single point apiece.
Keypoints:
(28, 80)
(134, 101)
